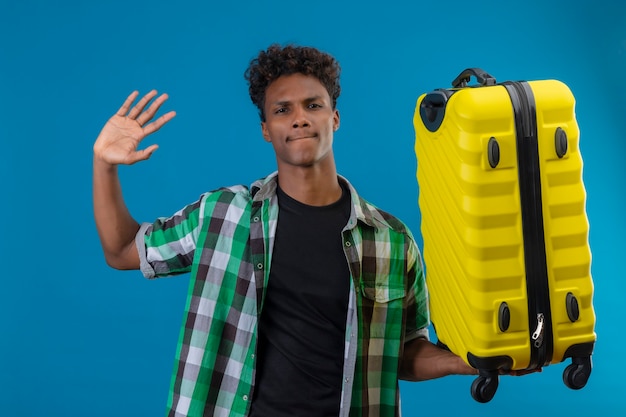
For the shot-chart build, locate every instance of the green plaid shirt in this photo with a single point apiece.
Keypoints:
(225, 240)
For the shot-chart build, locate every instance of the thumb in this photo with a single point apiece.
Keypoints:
(142, 154)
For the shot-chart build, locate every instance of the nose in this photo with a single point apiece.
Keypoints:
(300, 118)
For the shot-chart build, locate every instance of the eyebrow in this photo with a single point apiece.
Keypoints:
(306, 100)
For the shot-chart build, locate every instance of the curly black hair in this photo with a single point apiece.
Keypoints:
(277, 61)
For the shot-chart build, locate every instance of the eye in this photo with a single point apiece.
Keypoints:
(280, 110)
(315, 106)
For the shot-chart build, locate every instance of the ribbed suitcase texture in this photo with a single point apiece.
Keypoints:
(504, 226)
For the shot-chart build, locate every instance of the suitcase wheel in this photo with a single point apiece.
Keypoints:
(485, 386)
(575, 376)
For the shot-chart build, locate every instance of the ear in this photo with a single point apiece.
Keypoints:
(336, 120)
(265, 132)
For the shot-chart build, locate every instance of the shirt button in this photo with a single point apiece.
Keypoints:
(256, 218)
(347, 380)
(348, 243)
(245, 398)
(252, 356)
(259, 265)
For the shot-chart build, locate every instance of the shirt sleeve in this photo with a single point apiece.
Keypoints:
(167, 246)
(418, 316)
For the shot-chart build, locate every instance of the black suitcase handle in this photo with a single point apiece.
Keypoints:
(481, 76)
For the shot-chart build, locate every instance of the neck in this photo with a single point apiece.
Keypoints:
(310, 186)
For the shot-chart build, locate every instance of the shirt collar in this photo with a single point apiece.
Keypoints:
(265, 188)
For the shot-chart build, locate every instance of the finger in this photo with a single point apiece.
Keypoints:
(158, 123)
(129, 100)
(141, 104)
(147, 115)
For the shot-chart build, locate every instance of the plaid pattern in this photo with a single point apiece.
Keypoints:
(225, 240)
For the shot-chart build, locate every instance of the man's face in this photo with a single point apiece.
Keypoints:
(299, 121)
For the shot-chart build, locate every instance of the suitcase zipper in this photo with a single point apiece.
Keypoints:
(539, 315)
(537, 336)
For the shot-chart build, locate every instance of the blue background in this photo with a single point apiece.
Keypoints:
(80, 339)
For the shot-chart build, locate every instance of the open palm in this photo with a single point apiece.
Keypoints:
(120, 137)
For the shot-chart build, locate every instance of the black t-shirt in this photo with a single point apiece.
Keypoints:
(303, 320)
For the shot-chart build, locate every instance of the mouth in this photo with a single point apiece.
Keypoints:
(297, 138)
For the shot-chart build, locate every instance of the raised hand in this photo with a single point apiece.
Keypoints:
(120, 137)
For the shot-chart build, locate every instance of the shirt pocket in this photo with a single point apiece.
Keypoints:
(382, 309)
(382, 292)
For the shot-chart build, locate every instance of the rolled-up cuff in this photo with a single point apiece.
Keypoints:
(145, 268)
(417, 334)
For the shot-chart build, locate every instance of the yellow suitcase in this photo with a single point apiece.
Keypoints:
(504, 226)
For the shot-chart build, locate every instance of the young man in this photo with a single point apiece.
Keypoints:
(305, 299)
